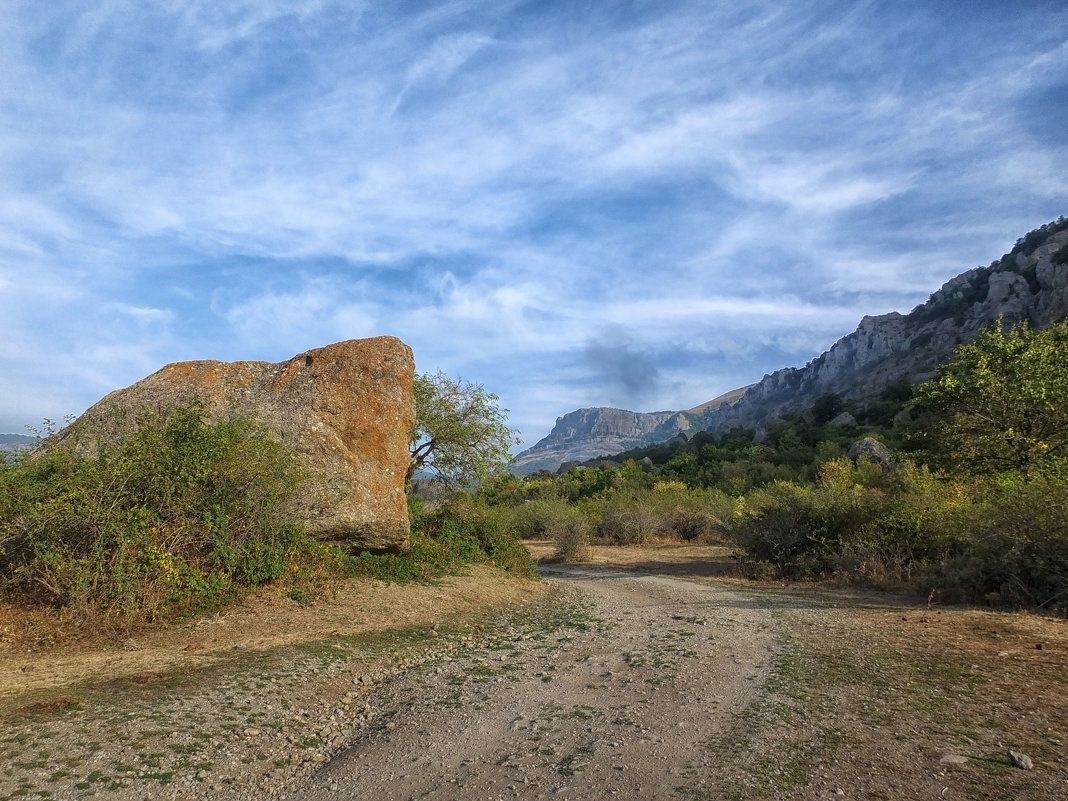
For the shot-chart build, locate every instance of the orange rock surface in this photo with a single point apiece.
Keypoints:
(347, 409)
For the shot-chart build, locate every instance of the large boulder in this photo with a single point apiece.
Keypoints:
(870, 448)
(347, 409)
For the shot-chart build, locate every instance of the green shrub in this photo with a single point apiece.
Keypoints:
(1016, 551)
(904, 519)
(692, 525)
(177, 517)
(540, 519)
(779, 527)
(457, 533)
(858, 521)
(627, 520)
(497, 537)
(1001, 540)
(691, 515)
(666, 510)
(572, 537)
(424, 560)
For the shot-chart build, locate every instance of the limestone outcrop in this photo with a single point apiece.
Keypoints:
(870, 448)
(346, 409)
(603, 431)
(1030, 283)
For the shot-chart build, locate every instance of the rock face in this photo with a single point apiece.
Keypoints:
(347, 409)
(589, 433)
(1030, 283)
(870, 448)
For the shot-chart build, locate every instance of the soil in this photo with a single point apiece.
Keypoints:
(647, 673)
(620, 703)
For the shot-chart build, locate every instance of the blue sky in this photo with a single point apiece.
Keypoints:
(634, 204)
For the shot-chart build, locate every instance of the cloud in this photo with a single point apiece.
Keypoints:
(141, 316)
(623, 367)
(574, 205)
(301, 312)
(444, 57)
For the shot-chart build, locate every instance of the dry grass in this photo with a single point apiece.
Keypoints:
(655, 555)
(875, 695)
(40, 650)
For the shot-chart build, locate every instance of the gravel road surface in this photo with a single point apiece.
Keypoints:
(626, 701)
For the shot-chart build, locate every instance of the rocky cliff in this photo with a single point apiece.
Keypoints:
(347, 409)
(589, 433)
(1029, 283)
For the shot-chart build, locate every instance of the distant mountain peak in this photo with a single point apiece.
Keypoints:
(1028, 283)
(602, 431)
(17, 442)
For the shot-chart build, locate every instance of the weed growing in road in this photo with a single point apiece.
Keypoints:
(576, 759)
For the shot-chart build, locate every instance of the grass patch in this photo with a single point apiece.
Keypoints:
(892, 690)
(575, 760)
(444, 542)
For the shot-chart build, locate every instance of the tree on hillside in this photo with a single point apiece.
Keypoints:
(826, 408)
(1001, 403)
(460, 432)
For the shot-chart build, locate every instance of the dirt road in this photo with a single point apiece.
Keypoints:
(646, 674)
(626, 701)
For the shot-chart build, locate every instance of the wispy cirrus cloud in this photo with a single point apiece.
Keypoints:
(731, 186)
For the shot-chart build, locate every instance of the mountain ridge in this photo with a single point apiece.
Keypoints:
(17, 442)
(604, 431)
(1028, 283)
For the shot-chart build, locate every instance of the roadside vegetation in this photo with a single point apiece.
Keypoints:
(187, 515)
(969, 502)
(179, 517)
(966, 502)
